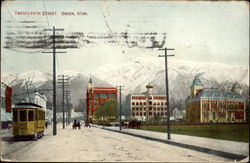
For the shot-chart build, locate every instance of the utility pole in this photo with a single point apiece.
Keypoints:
(167, 93)
(64, 84)
(67, 94)
(54, 74)
(120, 108)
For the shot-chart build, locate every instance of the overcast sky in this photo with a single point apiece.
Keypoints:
(199, 31)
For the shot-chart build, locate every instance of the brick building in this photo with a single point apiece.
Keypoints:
(144, 106)
(6, 102)
(213, 105)
(96, 96)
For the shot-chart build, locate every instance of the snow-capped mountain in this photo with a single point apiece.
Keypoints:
(136, 74)
(42, 81)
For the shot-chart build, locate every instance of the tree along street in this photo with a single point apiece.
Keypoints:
(95, 144)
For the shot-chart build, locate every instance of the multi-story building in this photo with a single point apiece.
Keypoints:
(96, 96)
(213, 105)
(6, 115)
(144, 106)
(38, 99)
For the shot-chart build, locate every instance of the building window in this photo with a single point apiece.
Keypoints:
(104, 96)
(222, 114)
(112, 96)
(3, 102)
(150, 102)
(140, 103)
(96, 96)
(150, 108)
(233, 116)
(137, 103)
(154, 103)
(161, 103)
(222, 105)
(145, 103)
(144, 113)
(133, 103)
(214, 115)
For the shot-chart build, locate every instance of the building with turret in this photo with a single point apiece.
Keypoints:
(96, 96)
(213, 105)
(144, 106)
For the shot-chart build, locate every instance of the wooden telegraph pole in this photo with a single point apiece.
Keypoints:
(167, 92)
(54, 74)
(120, 108)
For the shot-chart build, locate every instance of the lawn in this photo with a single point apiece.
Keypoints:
(225, 132)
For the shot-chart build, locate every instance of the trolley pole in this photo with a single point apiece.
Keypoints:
(120, 108)
(54, 75)
(167, 92)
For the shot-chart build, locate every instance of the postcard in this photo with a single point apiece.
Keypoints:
(124, 81)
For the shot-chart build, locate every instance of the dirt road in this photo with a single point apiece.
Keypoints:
(95, 144)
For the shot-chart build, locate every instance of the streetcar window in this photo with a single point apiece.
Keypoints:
(41, 115)
(31, 116)
(36, 115)
(23, 116)
(15, 116)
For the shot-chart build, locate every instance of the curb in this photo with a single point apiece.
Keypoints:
(236, 157)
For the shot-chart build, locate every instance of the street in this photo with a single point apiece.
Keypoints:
(95, 144)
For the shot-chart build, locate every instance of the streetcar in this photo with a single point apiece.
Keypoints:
(28, 120)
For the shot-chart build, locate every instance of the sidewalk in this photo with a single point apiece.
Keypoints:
(224, 148)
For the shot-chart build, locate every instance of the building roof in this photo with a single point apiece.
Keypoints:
(149, 86)
(236, 85)
(216, 93)
(96, 88)
(196, 82)
(90, 80)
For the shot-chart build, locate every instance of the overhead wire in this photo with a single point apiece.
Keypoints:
(14, 21)
(44, 6)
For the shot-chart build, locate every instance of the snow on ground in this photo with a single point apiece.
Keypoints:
(95, 144)
(236, 147)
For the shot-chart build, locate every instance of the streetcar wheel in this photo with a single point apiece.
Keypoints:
(16, 138)
(35, 137)
(39, 135)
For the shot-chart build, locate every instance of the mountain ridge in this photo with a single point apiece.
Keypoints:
(137, 73)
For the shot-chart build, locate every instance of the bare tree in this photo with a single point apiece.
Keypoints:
(28, 83)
